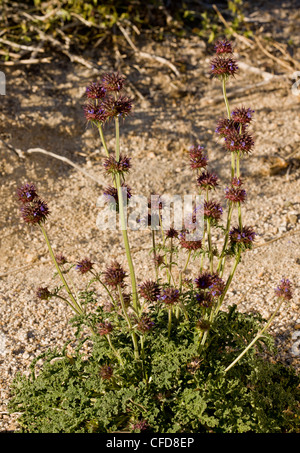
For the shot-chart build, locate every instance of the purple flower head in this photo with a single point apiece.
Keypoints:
(104, 328)
(189, 244)
(121, 106)
(235, 142)
(204, 280)
(111, 194)
(27, 193)
(223, 46)
(223, 67)
(112, 166)
(217, 286)
(197, 158)
(84, 266)
(150, 290)
(204, 299)
(140, 426)
(145, 324)
(284, 289)
(114, 275)
(95, 113)
(35, 212)
(244, 236)
(207, 181)
(106, 372)
(242, 115)
(169, 296)
(172, 233)
(235, 194)
(212, 210)
(95, 91)
(43, 293)
(60, 258)
(158, 260)
(113, 82)
(236, 182)
(225, 126)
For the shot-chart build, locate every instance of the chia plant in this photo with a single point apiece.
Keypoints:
(165, 355)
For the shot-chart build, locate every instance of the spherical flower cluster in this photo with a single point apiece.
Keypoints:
(207, 181)
(43, 293)
(242, 115)
(145, 324)
(235, 142)
(210, 285)
(187, 243)
(197, 158)
(114, 275)
(284, 289)
(95, 91)
(212, 210)
(223, 67)
(172, 233)
(112, 166)
(223, 46)
(84, 266)
(34, 212)
(169, 296)
(203, 324)
(111, 194)
(27, 193)
(226, 125)
(102, 106)
(150, 290)
(244, 236)
(104, 328)
(235, 194)
(106, 372)
(113, 82)
(140, 426)
(60, 259)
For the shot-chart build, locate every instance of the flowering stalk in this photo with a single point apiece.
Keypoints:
(75, 306)
(257, 337)
(133, 334)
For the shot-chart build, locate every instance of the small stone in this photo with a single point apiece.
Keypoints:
(292, 218)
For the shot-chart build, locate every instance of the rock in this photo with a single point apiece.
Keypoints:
(292, 218)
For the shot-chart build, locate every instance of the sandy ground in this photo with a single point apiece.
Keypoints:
(43, 109)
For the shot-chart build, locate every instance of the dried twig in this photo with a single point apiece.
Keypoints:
(241, 38)
(30, 61)
(66, 160)
(277, 60)
(277, 239)
(146, 54)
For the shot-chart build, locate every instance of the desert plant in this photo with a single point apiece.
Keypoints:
(165, 355)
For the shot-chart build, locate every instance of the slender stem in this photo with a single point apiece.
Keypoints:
(256, 338)
(222, 259)
(184, 269)
(114, 350)
(133, 335)
(154, 253)
(169, 321)
(74, 302)
(105, 287)
(123, 223)
(103, 139)
(211, 257)
(70, 305)
(225, 96)
(229, 280)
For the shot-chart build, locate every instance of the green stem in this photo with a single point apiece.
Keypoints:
(225, 96)
(229, 280)
(154, 253)
(211, 257)
(114, 350)
(103, 139)
(184, 269)
(123, 223)
(169, 321)
(74, 304)
(256, 338)
(222, 259)
(133, 335)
